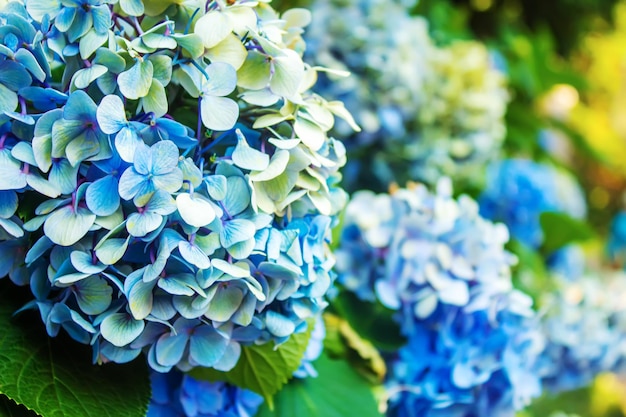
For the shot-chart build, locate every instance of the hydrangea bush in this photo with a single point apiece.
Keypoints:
(425, 110)
(473, 340)
(168, 183)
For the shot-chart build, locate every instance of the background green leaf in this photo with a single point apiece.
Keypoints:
(559, 229)
(338, 391)
(263, 369)
(55, 377)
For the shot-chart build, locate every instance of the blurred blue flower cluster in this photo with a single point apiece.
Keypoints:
(616, 245)
(174, 177)
(425, 110)
(178, 395)
(520, 190)
(473, 340)
(585, 331)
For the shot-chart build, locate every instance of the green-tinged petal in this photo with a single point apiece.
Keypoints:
(80, 107)
(192, 254)
(243, 18)
(140, 224)
(254, 74)
(288, 74)
(11, 176)
(216, 186)
(270, 120)
(63, 132)
(11, 228)
(238, 270)
(110, 59)
(132, 7)
(235, 231)
(191, 43)
(82, 147)
(121, 329)
(112, 250)
(279, 187)
(225, 303)
(156, 99)
(64, 176)
(90, 42)
(237, 195)
(23, 151)
(213, 27)
(159, 41)
(247, 157)
(8, 99)
(310, 133)
(278, 165)
(140, 297)
(195, 210)
(339, 110)
(28, 60)
(37, 9)
(219, 113)
(230, 51)
(111, 116)
(162, 68)
(83, 78)
(135, 82)
(93, 295)
(42, 186)
(66, 226)
(222, 79)
(127, 141)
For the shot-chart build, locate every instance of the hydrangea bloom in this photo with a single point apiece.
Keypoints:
(473, 339)
(520, 190)
(585, 328)
(426, 111)
(177, 395)
(616, 246)
(175, 175)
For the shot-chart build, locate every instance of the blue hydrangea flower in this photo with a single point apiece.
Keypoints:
(520, 190)
(425, 111)
(177, 395)
(616, 245)
(473, 340)
(184, 177)
(585, 328)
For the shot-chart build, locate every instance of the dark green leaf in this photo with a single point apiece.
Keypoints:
(372, 321)
(9, 408)
(55, 377)
(263, 369)
(559, 229)
(338, 391)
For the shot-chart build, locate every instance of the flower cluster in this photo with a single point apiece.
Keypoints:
(616, 245)
(473, 339)
(585, 330)
(177, 395)
(173, 175)
(520, 190)
(426, 111)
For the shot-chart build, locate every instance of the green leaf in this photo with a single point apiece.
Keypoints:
(338, 391)
(371, 321)
(55, 378)
(559, 229)
(263, 369)
(530, 274)
(9, 408)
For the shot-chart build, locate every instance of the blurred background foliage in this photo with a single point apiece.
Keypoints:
(566, 67)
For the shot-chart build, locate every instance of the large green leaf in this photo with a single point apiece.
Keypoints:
(559, 229)
(338, 391)
(9, 408)
(264, 368)
(55, 377)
